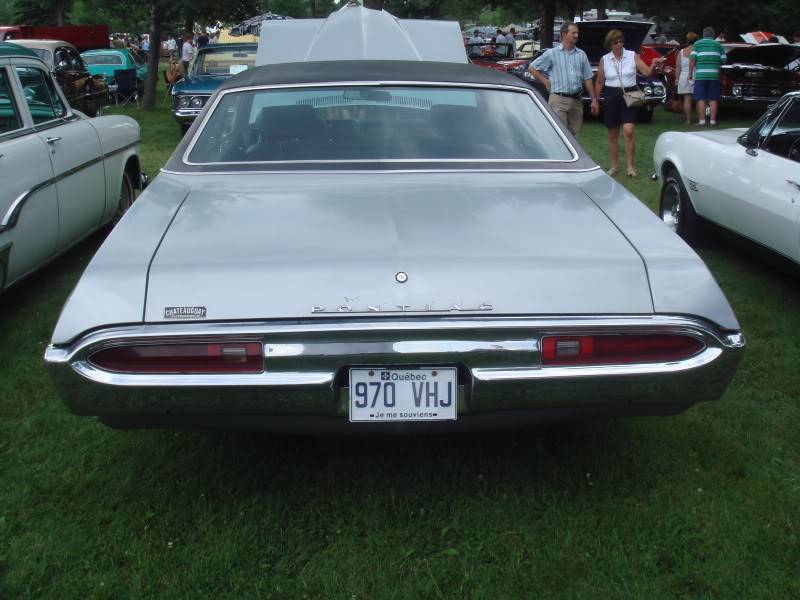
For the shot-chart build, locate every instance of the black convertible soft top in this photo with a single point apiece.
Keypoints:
(370, 70)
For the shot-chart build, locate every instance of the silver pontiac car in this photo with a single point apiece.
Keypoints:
(400, 245)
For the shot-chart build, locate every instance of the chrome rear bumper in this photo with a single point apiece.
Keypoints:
(304, 386)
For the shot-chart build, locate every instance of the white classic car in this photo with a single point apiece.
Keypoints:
(746, 180)
(63, 175)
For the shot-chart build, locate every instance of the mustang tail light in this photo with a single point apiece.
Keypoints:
(232, 357)
(617, 349)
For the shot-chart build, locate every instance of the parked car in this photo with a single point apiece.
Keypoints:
(386, 245)
(64, 175)
(105, 62)
(747, 181)
(84, 91)
(757, 76)
(493, 56)
(213, 65)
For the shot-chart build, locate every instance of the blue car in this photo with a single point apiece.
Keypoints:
(105, 62)
(213, 65)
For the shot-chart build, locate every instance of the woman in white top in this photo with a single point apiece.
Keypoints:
(684, 77)
(617, 74)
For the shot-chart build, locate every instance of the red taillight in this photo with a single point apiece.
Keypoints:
(243, 357)
(617, 349)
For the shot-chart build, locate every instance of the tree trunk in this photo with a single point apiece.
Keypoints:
(156, 26)
(546, 24)
(189, 20)
(570, 11)
(376, 4)
(58, 9)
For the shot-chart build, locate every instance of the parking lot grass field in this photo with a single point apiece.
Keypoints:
(700, 505)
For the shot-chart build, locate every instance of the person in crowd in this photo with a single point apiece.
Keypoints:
(705, 59)
(146, 44)
(174, 70)
(172, 46)
(616, 74)
(187, 53)
(796, 37)
(569, 74)
(511, 38)
(474, 44)
(659, 37)
(500, 40)
(202, 39)
(683, 75)
(214, 38)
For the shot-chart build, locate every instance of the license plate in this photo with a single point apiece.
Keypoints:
(419, 394)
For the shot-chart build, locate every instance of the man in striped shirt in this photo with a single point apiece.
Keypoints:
(704, 61)
(568, 73)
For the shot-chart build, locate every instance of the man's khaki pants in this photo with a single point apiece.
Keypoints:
(569, 110)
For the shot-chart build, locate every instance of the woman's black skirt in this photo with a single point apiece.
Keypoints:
(615, 111)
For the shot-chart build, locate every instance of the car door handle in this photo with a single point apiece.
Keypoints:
(52, 140)
(794, 183)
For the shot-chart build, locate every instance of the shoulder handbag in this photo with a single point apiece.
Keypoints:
(633, 99)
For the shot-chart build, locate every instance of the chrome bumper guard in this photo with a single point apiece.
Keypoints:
(306, 366)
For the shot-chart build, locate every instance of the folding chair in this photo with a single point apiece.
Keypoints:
(127, 88)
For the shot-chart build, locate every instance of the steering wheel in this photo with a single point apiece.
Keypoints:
(794, 150)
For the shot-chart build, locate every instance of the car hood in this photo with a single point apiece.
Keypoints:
(199, 84)
(592, 36)
(769, 55)
(279, 247)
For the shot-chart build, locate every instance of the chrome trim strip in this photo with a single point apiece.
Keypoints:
(13, 212)
(707, 356)
(530, 92)
(92, 373)
(484, 327)
(379, 171)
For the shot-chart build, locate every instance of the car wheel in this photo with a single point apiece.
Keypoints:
(126, 197)
(676, 210)
(645, 114)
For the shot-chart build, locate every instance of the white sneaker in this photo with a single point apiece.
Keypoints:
(712, 123)
(701, 123)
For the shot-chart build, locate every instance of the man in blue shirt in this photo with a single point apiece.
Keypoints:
(569, 73)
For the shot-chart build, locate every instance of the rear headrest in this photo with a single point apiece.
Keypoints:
(454, 120)
(289, 122)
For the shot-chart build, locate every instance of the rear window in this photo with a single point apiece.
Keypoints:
(370, 123)
(224, 61)
(102, 59)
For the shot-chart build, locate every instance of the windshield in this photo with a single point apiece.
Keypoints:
(102, 59)
(377, 123)
(224, 61)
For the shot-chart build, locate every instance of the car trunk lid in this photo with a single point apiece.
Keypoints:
(296, 246)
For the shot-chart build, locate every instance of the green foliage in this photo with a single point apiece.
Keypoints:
(7, 12)
(119, 16)
(33, 12)
(732, 16)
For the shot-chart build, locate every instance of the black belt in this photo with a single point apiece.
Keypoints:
(575, 96)
(619, 90)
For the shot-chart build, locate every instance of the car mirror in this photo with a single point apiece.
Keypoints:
(749, 139)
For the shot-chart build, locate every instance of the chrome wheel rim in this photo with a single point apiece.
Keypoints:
(671, 206)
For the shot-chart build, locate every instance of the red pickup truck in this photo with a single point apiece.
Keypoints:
(83, 37)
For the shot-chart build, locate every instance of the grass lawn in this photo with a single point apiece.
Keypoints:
(702, 505)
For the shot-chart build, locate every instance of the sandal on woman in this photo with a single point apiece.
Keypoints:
(612, 171)
(631, 172)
